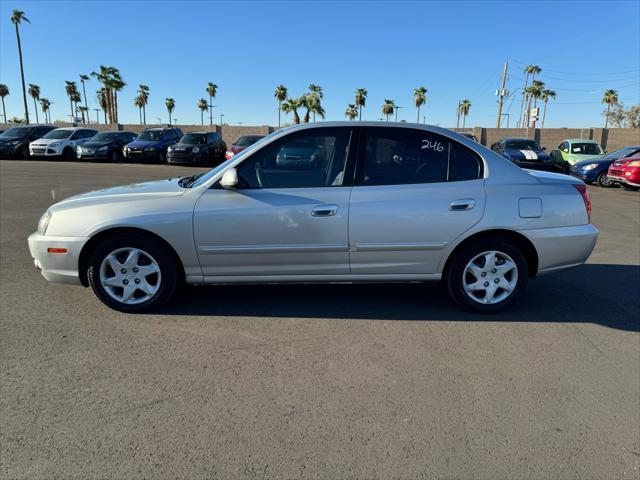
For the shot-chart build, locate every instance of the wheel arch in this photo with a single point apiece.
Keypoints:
(521, 241)
(94, 241)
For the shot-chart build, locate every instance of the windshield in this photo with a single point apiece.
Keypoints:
(586, 149)
(623, 152)
(105, 137)
(522, 145)
(211, 173)
(247, 140)
(194, 139)
(15, 132)
(150, 135)
(58, 134)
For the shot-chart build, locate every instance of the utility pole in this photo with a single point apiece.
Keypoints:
(501, 93)
(396, 108)
(221, 115)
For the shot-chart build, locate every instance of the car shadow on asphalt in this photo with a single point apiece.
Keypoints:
(596, 293)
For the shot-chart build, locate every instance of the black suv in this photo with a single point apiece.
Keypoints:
(14, 143)
(198, 147)
(152, 144)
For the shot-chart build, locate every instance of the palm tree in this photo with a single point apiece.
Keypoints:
(45, 103)
(84, 78)
(203, 106)
(528, 70)
(610, 98)
(103, 102)
(138, 103)
(76, 98)
(72, 89)
(117, 84)
(17, 17)
(291, 106)
(171, 105)
(388, 108)
(419, 97)
(34, 92)
(281, 95)
(351, 112)
(4, 91)
(212, 89)
(112, 83)
(545, 96)
(143, 93)
(361, 100)
(533, 92)
(82, 109)
(316, 96)
(465, 106)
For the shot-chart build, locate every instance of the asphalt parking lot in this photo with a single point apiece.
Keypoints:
(370, 381)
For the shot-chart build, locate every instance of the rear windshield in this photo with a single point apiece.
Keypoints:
(194, 139)
(586, 148)
(247, 140)
(522, 145)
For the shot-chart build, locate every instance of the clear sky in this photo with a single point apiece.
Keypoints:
(455, 49)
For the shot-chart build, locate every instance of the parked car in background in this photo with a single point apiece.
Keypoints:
(152, 144)
(105, 146)
(524, 152)
(626, 173)
(14, 142)
(596, 170)
(242, 143)
(198, 148)
(61, 143)
(575, 150)
(362, 202)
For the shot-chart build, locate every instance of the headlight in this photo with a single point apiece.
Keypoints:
(149, 149)
(54, 144)
(195, 150)
(44, 222)
(591, 166)
(635, 163)
(170, 149)
(14, 142)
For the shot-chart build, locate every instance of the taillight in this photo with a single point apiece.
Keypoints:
(228, 154)
(582, 188)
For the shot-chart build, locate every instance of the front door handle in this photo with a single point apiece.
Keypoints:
(324, 210)
(462, 204)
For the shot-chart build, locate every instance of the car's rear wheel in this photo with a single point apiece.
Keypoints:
(132, 273)
(487, 275)
(603, 180)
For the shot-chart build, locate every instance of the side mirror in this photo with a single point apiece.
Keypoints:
(229, 179)
(544, 149)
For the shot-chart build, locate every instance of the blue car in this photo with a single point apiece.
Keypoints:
(524, 152)
(595, 171)
(152, 144)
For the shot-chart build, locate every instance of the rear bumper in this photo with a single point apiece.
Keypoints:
(57, 267)
(562, 247)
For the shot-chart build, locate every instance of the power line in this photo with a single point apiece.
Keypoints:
(637, 71)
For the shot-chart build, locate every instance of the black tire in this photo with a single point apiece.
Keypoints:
(68, 155)
(165, 260)
(629, 188)
(162, 158)
(603, 181)
(23, 153)
(455, 272)
(114, 156)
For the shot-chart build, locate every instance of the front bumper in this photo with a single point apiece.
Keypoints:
(93, 155)
(185, 158)
(44, 152)
(57, 267)
(141, 154)
(8, 152)
(584, 175)
(562, 247)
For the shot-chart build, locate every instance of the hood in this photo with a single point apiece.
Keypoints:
(127, 193)
(598, 160)
(48, 141)
(142, 143)
(12, 139)
(515, 154)
(580, 157)
(97, 144)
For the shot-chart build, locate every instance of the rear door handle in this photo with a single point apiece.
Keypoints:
(324, 210)
(462, 204)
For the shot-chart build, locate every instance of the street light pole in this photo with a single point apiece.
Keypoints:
(501, 93)
(396, 109)
(221, 115)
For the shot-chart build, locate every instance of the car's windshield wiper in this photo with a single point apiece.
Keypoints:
(186, 182)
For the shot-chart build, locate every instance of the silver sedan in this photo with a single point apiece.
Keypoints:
(326, 202)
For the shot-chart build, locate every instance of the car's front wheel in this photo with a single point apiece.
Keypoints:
(603, 180)
(132, 273)
(162, 158)
(487, 275)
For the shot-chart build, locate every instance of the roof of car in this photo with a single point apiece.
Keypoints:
(518, 138)
(199, 133)
(582, 140)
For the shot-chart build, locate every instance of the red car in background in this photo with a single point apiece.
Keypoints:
(626, 172)
(241, 144)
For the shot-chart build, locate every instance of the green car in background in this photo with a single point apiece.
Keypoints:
(574, 150)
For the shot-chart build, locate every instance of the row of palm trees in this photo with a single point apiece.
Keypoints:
(537, 90)
(310, 101)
